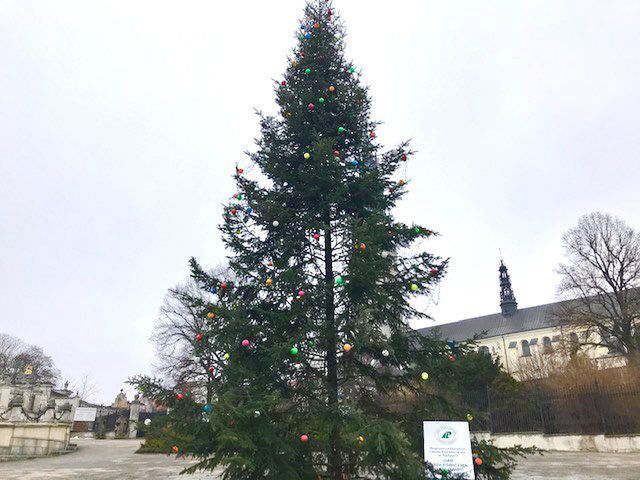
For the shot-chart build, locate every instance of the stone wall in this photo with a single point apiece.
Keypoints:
(565, 443)
(33, 439)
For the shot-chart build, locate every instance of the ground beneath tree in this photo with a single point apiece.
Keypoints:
(116, 460)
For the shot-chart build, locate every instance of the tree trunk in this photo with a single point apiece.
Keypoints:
(335, 464)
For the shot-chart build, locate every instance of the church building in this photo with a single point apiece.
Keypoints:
(524, 339)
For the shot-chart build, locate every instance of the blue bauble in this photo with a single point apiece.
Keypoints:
(354, 163)
(213, 290)
(207, 408)
(249, 209)
(307, 35)
(302, 27)
(452, 344)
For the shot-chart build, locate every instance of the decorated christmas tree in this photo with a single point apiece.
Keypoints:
(309, 348)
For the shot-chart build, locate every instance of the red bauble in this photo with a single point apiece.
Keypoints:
(179, 396)
(452, 358)
(434, 272)
(404, 158)
(245, 343)
(304, 438)
(270, 264)
(223, 285)
(478, 461)
(336, 153)
(211, 370)
(233, 211)
(283, 83)
(240, 171)
(174, 449)
(316, 236)
(199, 337)
(372, 134)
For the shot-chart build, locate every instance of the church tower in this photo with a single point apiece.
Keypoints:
(508, 302)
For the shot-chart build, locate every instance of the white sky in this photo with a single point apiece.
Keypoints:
(120, 123)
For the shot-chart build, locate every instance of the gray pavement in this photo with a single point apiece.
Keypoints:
(100, 460)
(116, 460)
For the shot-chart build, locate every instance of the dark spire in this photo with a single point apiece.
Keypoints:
(508, 302)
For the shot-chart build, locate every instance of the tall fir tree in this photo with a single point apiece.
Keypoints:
(310, 348)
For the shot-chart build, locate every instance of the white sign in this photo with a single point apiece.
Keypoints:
(85, 414)
(447, 446)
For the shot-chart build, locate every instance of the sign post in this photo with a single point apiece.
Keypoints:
(447, 446)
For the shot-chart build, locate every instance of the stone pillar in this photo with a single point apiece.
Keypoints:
(5, 396)
(65, 413)
(49, 413)
(134, 415)
(15, 412)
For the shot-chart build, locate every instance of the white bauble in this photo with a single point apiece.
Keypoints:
(147, 422)
(276, 223)
(385, 353)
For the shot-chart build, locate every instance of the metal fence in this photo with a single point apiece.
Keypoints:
(592, 409)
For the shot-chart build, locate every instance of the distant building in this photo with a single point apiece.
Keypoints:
(516, 336)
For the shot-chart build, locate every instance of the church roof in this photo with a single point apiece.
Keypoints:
(522, 320)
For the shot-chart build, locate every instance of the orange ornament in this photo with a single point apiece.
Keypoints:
(347, 347)
(362, 246)
(361, 439)
(332, 88)
(478, 461)
(316, 25)
(269, 282)
(210, 315)
(401, 182)
(174, 449)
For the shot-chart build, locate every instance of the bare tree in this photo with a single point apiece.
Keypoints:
(85, 387)
(183, 316)
(16, 356)
(602, 274)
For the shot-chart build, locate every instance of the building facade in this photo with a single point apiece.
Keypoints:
(528, 341)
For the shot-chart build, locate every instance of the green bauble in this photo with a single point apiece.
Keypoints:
(307, 71)
(417, 230)
(352, 69)
(414, 287)
(339, 280)
(239, 196)
(294, 351)
(341, 129)
(321, 100)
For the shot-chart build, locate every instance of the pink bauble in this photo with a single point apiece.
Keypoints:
(301, 293)
(311, 106)
(304, 438)
(245, 343)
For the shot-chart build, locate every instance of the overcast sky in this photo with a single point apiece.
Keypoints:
(121, 122)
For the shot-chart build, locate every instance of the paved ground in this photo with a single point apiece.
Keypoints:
(580, 466)
(116, 460)
(100, 460)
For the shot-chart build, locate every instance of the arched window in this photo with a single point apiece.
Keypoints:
(526, 350)
(546, 344)
(484, 349)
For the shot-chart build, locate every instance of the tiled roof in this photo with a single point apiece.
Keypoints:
(496, 324)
